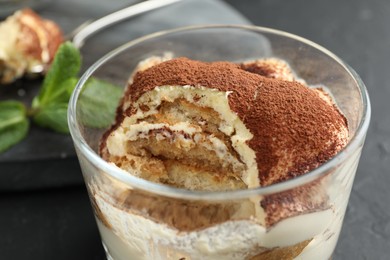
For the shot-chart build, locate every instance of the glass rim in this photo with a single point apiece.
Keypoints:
(169, 191)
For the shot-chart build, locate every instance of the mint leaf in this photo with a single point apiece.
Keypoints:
(65, 89)
(66, 65)
(98, 103)
(13, 124)
(50, 106)
(53, 116)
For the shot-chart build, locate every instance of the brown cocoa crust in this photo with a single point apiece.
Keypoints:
(308, 198)
(284, 117)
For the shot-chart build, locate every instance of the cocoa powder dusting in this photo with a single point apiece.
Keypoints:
(260, 70)
(293, 129)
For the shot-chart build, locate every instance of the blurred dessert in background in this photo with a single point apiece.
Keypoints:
(27, 43)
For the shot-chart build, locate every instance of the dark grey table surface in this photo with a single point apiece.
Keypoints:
(57, 222)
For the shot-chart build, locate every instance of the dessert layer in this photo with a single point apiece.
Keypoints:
(186, 128)
(294, 130)
(114, 202)
(232, 238)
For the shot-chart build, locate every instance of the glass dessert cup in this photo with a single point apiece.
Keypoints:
(298, 218)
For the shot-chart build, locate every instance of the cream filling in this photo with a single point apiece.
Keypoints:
(116, 143)
(203, 97)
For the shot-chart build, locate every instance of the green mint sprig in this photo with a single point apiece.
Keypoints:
(51, 104)
(49, 108)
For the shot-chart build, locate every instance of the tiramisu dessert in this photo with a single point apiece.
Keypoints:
(221, 126)
(27, 42)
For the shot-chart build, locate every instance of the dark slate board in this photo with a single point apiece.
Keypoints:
(47, 159)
